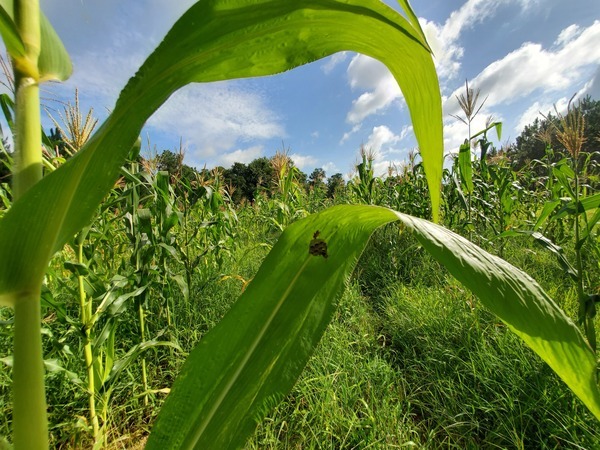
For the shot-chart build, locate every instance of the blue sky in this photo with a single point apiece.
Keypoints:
(524, 55)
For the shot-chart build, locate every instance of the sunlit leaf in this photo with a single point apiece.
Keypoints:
(217, 40)
(520, 303)
(254, 355)
(251, 359)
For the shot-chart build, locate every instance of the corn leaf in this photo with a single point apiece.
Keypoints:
(252, 358)
(53, 63)
(466, 168)
(10, 34)
(255, 354)
(217, 40)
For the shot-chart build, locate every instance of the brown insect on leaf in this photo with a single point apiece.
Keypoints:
(317, 247)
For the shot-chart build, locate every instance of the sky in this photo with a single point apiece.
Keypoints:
(525, 56)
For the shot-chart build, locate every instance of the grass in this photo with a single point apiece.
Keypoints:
(422, 366)
(409, 361)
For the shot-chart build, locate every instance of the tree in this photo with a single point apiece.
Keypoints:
(260, 175)
(316, 179)
(531, 143)
(335, 185)
(236, 177)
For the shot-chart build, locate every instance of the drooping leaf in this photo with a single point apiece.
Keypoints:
(217, 40)
(557, 251)
(252, 358)
(586, 204)
(520, 303)
(548, 209)
(496, 125)
(254, 355)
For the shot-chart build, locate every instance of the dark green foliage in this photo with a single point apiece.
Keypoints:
(335, 185)
(530, 145)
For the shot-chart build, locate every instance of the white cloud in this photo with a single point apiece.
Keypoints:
(381, 88)
(381, 137)
(348, 134)
(567, 35)
(333, 61)
(531, 68)
(242, 156)
(303, 161)
(538, 110)
(445, 39)
(215, 117)
(368, 73)
(383, 143)
(592, 87)
(330, 168)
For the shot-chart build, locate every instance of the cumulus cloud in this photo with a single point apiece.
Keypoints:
(348, 134)
(592, 87)
(567, 35)
(532, 68)
(379, 86)
(214, 118)
(330, 168)
(444, 39)
(368, 73)
(381, 137)
(383, 143)
(539, 109)
(244, 156)
(303, 161)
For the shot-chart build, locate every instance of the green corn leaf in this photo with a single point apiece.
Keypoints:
(254, 355)
(252, 358)
(586, 204)
(591, 223)
(548, 209)
(217, 40)
(520, 303)
(54, 63)
(496, 125)
(10, 34)
(466, 168)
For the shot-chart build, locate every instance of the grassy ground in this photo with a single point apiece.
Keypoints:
(409, 361)
(416, 365)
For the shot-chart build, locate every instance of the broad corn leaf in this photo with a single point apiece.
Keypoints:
(252, 358)
(217, 40)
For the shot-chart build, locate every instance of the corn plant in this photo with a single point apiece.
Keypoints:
(252, 357)
(365, 185)
(569, 174)
(288, 198)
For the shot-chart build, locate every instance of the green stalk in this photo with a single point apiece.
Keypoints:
(30, 423)
(588, 320)
(86, 318)
(141, 316)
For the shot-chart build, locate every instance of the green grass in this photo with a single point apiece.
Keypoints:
(421, 365)
(409, 361)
